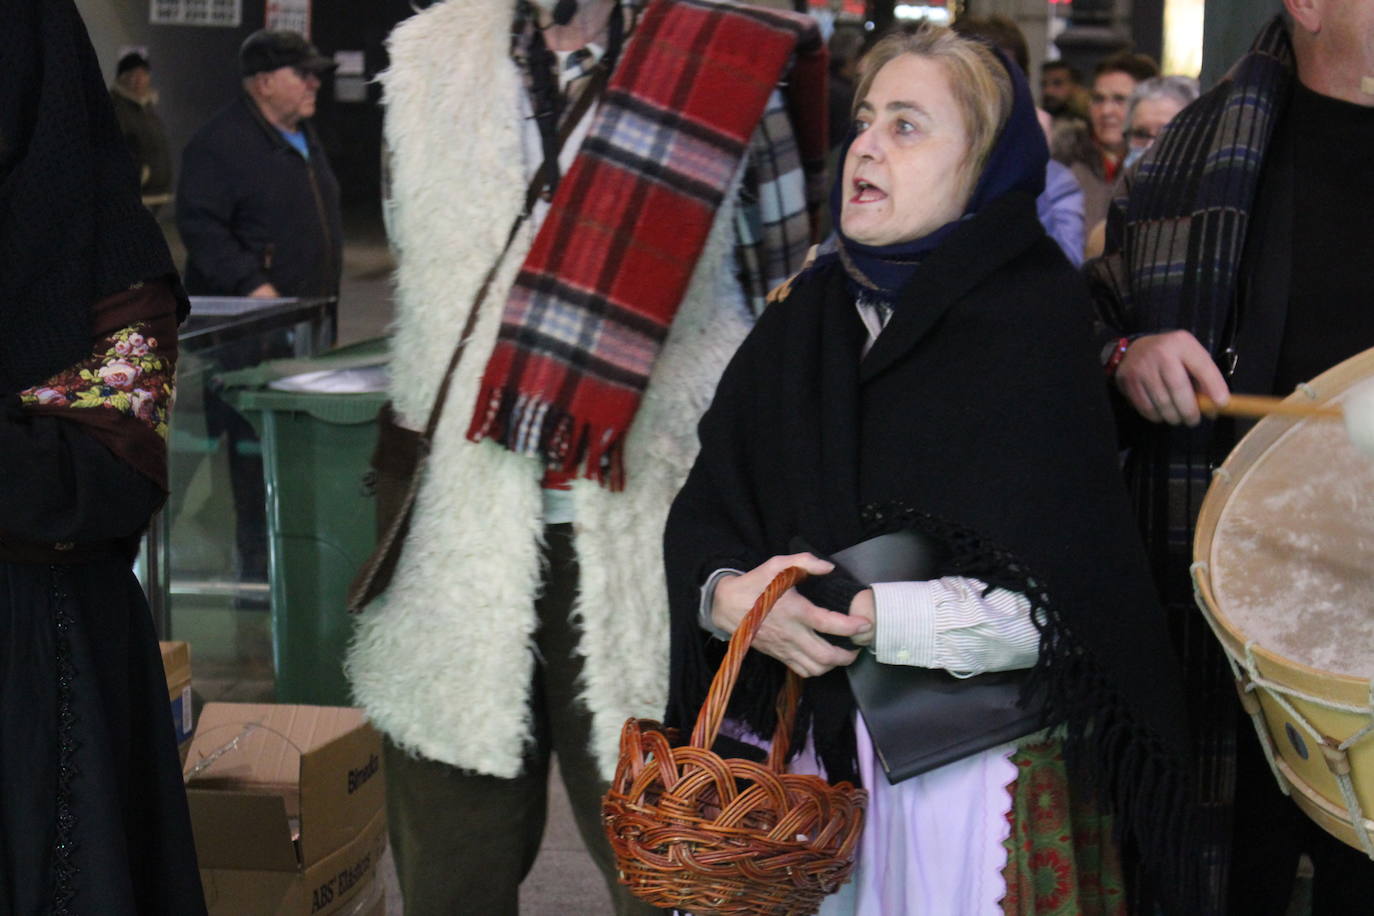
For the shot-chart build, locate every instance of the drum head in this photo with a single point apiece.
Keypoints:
(1292, 556)
(1284, 569)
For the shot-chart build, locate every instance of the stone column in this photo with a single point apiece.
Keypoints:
(1091, 35)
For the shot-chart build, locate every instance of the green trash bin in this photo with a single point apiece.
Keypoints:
(321, 519)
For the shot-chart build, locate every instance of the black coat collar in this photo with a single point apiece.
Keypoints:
(997, 235)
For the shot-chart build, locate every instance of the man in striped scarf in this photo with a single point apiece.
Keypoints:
(1236, 257)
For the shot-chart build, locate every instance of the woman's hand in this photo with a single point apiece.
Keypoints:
(789, 632)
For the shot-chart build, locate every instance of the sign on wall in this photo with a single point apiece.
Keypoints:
(289, 14)
(225, 13)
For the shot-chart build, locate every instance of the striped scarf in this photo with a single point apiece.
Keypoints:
(1176, 234)
(592, 304)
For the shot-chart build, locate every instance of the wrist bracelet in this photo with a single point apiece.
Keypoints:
(1114, 358)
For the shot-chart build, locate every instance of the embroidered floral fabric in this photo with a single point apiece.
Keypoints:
(1061, 858)
(126, 373)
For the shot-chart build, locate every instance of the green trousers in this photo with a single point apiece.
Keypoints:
(464, 841)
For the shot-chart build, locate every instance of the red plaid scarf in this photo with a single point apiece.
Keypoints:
(593, 302)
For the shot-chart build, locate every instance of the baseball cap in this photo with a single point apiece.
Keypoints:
(270, 49)
(131, 61)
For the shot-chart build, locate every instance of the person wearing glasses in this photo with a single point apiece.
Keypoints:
(1152, 105)
(1095, 155)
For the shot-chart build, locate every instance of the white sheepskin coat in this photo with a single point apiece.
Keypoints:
(443, 662)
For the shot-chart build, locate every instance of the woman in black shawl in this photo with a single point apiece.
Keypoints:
(93, 815)
(933, 372)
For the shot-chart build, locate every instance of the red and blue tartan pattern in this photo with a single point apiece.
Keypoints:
(592, 304)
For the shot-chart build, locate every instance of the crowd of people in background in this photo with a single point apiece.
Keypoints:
(1095, 130)
(683, 327)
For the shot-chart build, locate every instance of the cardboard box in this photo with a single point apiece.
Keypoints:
(378, 907)
(176, 664)
(372, 903)
(288, 808)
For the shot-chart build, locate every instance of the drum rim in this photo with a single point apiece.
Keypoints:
(1226, 478)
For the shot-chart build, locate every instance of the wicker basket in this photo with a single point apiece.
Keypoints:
(716, 837)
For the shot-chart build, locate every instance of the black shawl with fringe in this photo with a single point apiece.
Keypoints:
(980, 415)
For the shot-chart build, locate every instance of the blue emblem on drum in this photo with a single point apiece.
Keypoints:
(1295, 739)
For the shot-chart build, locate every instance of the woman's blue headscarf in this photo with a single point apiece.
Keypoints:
(1017, 162)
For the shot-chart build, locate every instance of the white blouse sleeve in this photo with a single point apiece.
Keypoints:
(950, 623)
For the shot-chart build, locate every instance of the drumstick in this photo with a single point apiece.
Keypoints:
(1358, 413)
(1255, 405)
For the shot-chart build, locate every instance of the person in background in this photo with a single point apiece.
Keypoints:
(527, 616)
(134, 99)
(1153, 104)
(1237, 259)
(1095, 155)
(892, 390)
(1060, 205)
(258, 209)
(1062, 93)
(258, 205)
(846, 47)
(93, 813)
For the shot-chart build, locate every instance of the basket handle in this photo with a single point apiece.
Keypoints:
(723, 684)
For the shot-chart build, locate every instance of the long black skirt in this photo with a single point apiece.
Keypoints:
(93, 816)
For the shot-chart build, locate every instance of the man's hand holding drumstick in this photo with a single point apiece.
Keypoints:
(1163, 374)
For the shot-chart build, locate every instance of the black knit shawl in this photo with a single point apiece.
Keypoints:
(980, 406)
(72, 227)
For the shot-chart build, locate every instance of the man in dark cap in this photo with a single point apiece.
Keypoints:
(133, 97)
(258, 206)
(258, 210)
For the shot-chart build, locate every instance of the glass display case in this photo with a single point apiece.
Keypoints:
(204, 563)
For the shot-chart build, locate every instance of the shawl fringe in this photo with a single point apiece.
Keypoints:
(1147, 787)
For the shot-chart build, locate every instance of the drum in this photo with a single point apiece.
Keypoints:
(1284, 572)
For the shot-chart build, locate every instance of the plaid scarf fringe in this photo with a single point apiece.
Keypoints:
(528, 424)
(591, 307)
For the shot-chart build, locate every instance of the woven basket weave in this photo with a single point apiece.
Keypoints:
(716, 837)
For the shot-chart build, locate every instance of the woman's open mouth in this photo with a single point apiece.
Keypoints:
(865, 192)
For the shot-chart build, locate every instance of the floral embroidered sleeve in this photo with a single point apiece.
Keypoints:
(121, 394)
(130, 376)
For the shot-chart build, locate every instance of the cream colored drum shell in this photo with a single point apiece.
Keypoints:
(1300, 758)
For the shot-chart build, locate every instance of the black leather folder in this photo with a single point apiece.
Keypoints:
(923, 718)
